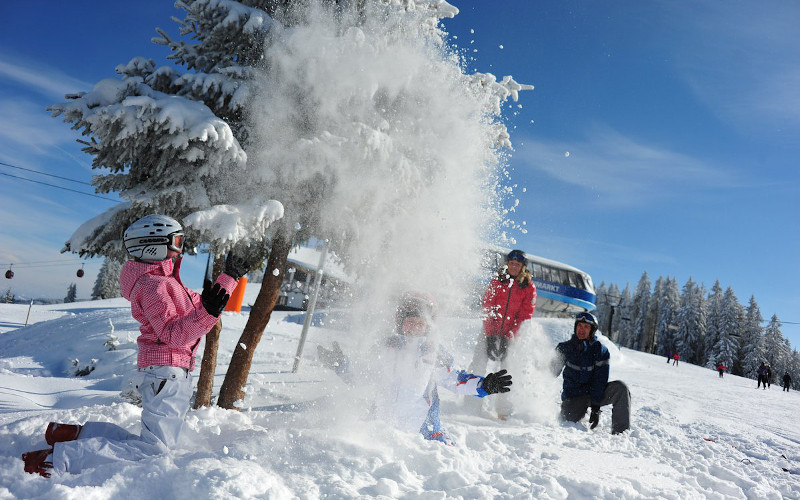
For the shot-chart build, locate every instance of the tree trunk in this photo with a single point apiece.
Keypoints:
(239, 368)
(205, 383)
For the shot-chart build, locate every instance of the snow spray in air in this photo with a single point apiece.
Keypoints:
(371, 132)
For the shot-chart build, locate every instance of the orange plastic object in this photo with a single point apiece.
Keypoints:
(235, 302)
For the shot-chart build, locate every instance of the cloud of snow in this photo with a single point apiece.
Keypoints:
(373, 127)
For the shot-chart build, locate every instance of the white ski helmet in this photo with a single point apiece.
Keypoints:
(152, 236)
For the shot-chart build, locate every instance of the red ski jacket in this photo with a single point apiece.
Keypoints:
(506, 305)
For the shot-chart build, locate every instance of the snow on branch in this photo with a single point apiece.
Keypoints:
(225, 225)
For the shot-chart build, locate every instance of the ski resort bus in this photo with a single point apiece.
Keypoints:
(560, 288)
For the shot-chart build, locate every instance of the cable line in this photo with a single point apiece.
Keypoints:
(60, 187)
(43, 173)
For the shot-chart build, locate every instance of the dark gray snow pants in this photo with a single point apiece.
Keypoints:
(616, 394)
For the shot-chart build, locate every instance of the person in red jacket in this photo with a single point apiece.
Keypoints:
(510, 299)
(174, 319)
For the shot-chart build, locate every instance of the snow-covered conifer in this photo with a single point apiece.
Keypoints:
(752, 340)
(622, 325)
(106, 286)
(692, 323)
(714, 308)
(729, 323)
(668, 317)
(72, 293)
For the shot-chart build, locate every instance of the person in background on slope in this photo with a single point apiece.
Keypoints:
(412, 368)
(675, 358)
(509, 300)
(585, 364)
(174, 319)
(762, 375)
(721, 369)
(787, 381)
(768, 378)
(669, 356)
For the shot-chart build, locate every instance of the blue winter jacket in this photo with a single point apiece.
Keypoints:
(585, 364)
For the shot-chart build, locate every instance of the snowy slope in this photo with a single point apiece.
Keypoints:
(306, 435)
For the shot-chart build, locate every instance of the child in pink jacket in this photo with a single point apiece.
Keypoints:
(173, 319)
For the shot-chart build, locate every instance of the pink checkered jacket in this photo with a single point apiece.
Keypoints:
(172, 316)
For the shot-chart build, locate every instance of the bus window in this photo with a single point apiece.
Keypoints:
(573, 279)
(563, 277)
(537, 271)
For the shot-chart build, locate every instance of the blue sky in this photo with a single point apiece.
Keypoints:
(660, 136)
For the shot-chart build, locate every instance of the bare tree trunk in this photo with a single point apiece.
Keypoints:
(205, 383)
(239, 368)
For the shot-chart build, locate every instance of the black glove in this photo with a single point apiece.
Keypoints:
(497, 382)
(491, 347)
(214, 299)
(594, 417)
(235, 267)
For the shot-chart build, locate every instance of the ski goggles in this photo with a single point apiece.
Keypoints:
(176, 242)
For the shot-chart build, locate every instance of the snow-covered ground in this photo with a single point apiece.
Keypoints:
(306, 435)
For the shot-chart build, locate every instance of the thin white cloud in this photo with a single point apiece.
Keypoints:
(43, 79)
(29, 125)
(742, 59)
(620, 170)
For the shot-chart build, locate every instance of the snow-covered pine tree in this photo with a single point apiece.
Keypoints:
(621, 324)
(649, 333)
(775, 349)
(714, 308)
(641, 304)
(72, 293)
(602, 306)
(729, 323)
(668, 317)
(751, 343)
(175, 143)
(106, 286)
(8, 297)
(690, 341)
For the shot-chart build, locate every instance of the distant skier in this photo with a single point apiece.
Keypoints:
(769, 376)
(762, 376)
(787, 381)
(412, 368)
(675, 358)
(173, 320)
(669, 356)
(721, 369)
(585, 363)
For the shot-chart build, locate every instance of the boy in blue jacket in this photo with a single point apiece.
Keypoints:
(585, 363)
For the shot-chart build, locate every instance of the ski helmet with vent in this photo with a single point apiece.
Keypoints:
(151, 237)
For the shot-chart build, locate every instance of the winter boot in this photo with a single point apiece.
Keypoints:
(58, 433)
(36, 462)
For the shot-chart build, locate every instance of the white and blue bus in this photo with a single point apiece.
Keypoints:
(560, 288)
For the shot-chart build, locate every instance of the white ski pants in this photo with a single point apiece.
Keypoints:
(166, 391)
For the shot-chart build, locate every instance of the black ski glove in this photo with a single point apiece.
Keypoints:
(214, 299)
(497, 382)
(235, 266)
(491, 347)
(594, 417)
